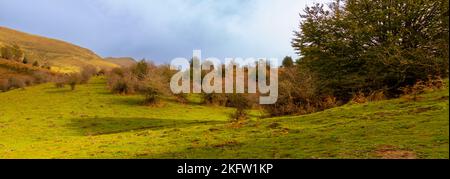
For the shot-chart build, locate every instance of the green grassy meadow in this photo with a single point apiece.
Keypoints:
(46, 122)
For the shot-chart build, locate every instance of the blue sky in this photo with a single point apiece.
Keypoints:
(161, 30)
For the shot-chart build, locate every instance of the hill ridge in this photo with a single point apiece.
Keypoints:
(61, 55)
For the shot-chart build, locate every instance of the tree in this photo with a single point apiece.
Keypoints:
(25, 60)
(362, 45)
(36, 64)
(141, 69)
(288, 62)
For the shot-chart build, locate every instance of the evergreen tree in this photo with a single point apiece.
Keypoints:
(288, 62)
(367, 45)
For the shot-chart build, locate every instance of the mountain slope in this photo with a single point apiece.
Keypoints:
(60, 55)
(123, 61)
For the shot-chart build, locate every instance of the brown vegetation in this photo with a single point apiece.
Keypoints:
(14, 74)
(142, 78)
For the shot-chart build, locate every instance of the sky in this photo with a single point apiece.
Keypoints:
(161, 30)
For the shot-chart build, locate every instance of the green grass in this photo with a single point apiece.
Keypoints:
(46, 122)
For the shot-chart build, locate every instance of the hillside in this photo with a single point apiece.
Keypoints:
(46, 122)
(17, 75)
(123, 61)
(61, 56)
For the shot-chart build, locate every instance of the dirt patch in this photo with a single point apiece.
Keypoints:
(422, 110)
(226, 144)
(391, 152)
(274, 125)
(282, 131)
(214, 129)
(386, 114)
(444, 98)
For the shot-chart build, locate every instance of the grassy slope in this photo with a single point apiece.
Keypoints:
(45, 122)
(10, 68)
(62, 56)
(123, 61)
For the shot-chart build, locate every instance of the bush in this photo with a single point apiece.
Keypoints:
(12, 53)
(101, 72)
(181, 98)
(359, 98)
(151, 95)
(36, 64)
(328, 102)
(297, 93)
(141, 70)
(4, 85)
(25, 61)
(16, 83)
(60, 84)
(123, 87)
(413, 92)
(143, 78)
(121, 82)
(214, 99)
(87, 73)
(378, 95)
(73, 79)
(41, 77)
(242, 104)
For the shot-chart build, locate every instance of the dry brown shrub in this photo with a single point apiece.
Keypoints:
(359, 98)
(329, 102)
(4, 85)
(412, 92)
(16, 83)
(377, 96)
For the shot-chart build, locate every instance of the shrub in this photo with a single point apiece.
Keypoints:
(242, 104)
(121, 82)
(15, 83)
(181, 98)
(36, 64)
(86, 74)
(41, 77)
(73, 79)
(214, 99)
(12, 53)
(153, 86)
(143, 78)
(297, 93)
(4, 85)
(101, 72)
(378, 95)
(359, 98)
(413, 92)
(328, 102)
(151, 95)
(25, 61)
(24, 75)
(141, 69)
(60, 84)
(435, 83)
(122, 86)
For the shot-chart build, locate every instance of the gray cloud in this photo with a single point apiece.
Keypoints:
(162, 30)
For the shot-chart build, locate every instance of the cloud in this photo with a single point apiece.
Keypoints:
(162, 30)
